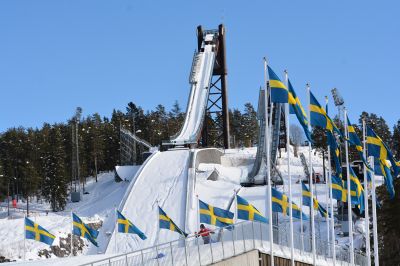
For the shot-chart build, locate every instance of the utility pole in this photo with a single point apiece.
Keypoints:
(77, 119)
(27, 191)
(134, 157)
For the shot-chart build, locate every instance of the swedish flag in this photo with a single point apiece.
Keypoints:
(297, 109)
(338, 191)
(355, 141)
(280, 203)
(83, 230)
(127, 227)
(214, 216)
(38, 233)
(356, 188)
(383, 169)
(279, 92)
(378, 149)
(246, 211)
(335, 152)
(307, 201)
(320, 118)
(167, 223)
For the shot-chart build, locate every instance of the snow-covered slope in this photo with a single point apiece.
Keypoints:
(97, 205)
(163, 181)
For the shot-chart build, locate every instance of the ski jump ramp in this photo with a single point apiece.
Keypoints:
(200, 79)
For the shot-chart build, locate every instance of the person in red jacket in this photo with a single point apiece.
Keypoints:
(205, 234)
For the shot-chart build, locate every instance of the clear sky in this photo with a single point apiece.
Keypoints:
(57, 55)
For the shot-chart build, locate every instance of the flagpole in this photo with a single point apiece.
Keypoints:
(311, 180)
(327, 190)
(269, 189)
(24, 239)
(330, 223)
(116, 230)
(333, 236)
(374, 217)
(301, 221)
(349, 211)
(158, 230)
(366, 208)
(289, 175)
(72, 233)
(236, 207)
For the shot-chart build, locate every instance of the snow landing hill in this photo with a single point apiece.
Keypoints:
(166, 179)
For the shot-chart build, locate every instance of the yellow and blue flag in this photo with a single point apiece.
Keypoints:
(335, 152)
(384, 170)
(355, 141)
(297, 109)
(214, 216)
(378, 149)
(279, 92)
(246, 211)
(338, 191)
(127, 227)
(36, 232)
(83, 230)
(167, 223)
(356, 191)
(280, 203)
(307, 201)
(320, 118)
(355, 187)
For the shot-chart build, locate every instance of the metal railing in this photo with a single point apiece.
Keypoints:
(225, 243)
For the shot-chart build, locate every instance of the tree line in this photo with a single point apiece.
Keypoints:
(38, 162)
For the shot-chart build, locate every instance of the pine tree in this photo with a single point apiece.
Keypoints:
(378, 124)
(396, 140)
(176, 118)
(55, 185)
(249, 124)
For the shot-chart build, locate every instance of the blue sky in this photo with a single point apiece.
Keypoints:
(57, 55)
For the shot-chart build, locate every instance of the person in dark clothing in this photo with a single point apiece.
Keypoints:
(205, 234)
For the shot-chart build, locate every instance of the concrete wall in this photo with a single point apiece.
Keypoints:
(208, 156)
(247, 259)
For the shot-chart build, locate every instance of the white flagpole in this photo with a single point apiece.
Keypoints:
(311, 180)
(72, 234)
(24, 239)
(332, 227)
(235, 217)
(349, 211)
(366, 210)
(198, 213)
(289, 175)
(327, 177)
(374, 217)
(301, 220)
(116, 229)
(269, 187)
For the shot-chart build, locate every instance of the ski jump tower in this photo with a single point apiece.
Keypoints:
(217, 104)
(207, 119)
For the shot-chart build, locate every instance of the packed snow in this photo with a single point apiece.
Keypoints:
(163, 180)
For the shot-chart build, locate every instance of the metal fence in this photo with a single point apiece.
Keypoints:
(225, 243)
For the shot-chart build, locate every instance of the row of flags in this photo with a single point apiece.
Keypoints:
(36, 232)
(385, 163)
(208, 214)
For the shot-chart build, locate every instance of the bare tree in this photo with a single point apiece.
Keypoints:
(296, 137)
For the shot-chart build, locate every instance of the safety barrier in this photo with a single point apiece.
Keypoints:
(226, 243)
